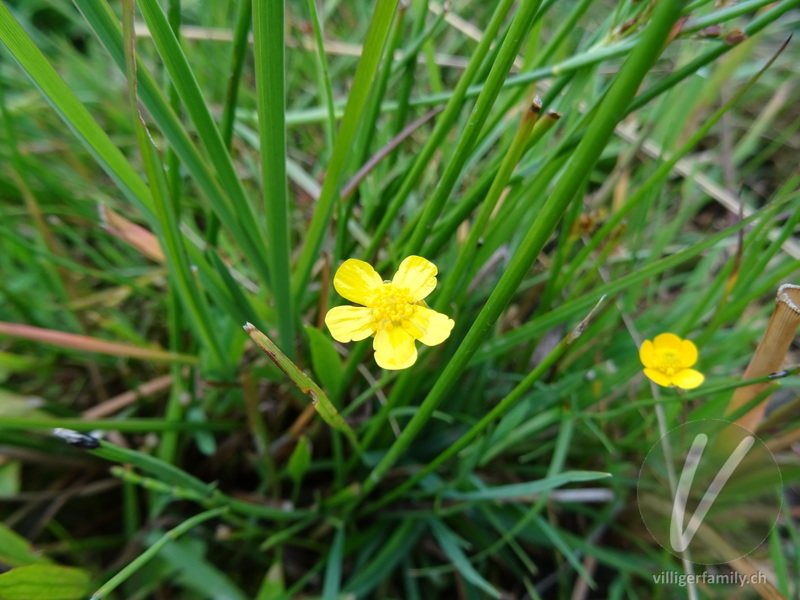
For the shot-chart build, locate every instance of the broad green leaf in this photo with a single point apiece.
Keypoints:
(15, 405)
(44, 582)
(15, 550)
(272, 586)
(300, 459)
(11, 363)
(10, 477)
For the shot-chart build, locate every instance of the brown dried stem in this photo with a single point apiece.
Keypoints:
(769, 355)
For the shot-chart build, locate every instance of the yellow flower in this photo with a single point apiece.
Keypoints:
(394, 312)
(667, 360)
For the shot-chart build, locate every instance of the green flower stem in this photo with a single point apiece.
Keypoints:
(586, 154)
(501, 408)
(357, 354)
(443, 124)
(268, 39)
(467, 253)
(367, 66)
(241, 30)
(480, 113)
(153, 550)
(323, 75)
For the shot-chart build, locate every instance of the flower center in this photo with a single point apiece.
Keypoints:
(668, 362)
(390, 305)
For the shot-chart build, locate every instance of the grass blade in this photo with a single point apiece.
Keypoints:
(268, 27)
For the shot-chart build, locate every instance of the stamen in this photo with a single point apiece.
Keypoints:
(390, 305)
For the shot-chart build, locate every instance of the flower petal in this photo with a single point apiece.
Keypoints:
(667, 341)
(394, 349)
(350, 323)
(688, 353)
(356, 281)
(647, 354)
(428, 326)
(688, 379)
(659, 377)
(418, 275)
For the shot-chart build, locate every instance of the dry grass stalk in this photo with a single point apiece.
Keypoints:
(769, 355)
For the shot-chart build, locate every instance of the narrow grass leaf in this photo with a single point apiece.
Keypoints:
(72, 111)
(153, 550)
(319, 399)
(178, 264)
(377, 568)
(159, 469)
(268, 38)
(333, 570)
(521, 490)
(449, 544)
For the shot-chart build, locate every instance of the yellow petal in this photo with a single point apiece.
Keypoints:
(418, 275)
(394, 349)
(428, 326)
(688, 379)
(688, 353)
(356, 281)
(647, 354)
(658, 377)
(349, 323)
(667, 341)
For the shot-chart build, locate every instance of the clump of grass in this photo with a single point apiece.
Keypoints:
(172, 172)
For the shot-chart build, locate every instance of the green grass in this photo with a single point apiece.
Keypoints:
(504, 463)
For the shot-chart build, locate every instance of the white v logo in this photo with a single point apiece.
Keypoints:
(679, 537)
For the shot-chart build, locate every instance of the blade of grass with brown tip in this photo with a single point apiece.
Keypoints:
(321, 402)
